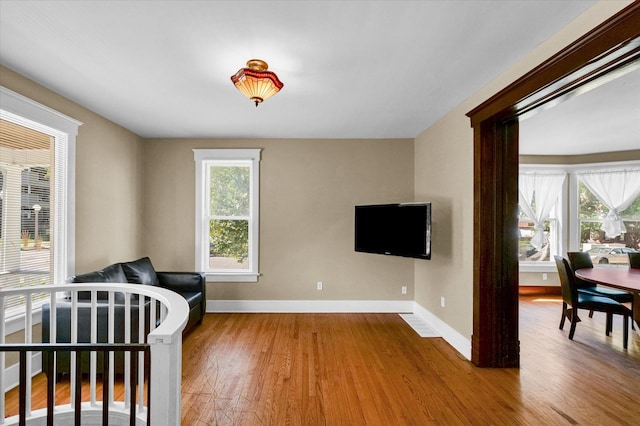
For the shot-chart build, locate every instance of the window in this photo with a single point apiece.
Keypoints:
(604, 247)
(37, 148)
(577, 215)
(227, 194)
(541, 216)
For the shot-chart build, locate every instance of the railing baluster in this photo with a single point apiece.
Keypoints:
(28, 338)
(23, 388)
(93, 367)
(51, 387)
(153, 316)
(105, 389)
(132, 383)
(147, 353)
(53, 327)
(127, 339)
(73, 357)
(78, 391)
(142, 330)
(111, 339)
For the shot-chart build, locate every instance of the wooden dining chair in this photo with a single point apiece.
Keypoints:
(634, 260)
(572, 300)
(580, 260)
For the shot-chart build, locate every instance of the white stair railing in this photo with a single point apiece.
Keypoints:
(165, 341)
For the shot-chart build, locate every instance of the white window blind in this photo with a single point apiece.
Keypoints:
(37, 150)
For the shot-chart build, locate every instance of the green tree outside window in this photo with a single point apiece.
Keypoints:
(230, 209)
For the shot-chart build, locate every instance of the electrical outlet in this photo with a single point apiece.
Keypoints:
(442, 301)
(404, 289)
(544, 276)
(319, 285)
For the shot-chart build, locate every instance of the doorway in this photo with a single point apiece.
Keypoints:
(606, 48)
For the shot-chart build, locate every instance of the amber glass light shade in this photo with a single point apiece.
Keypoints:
(255, 82)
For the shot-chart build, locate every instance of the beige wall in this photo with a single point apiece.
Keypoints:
(108, 180)
(444, 175)
(308, 190)
(537, 279)
(13, 358)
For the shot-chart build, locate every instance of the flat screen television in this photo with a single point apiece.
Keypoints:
(394, 229)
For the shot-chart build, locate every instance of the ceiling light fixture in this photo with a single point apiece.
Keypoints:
(255, 82)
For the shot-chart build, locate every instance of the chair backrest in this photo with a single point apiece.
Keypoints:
(567, 281)
(580, 260)
(634, 260)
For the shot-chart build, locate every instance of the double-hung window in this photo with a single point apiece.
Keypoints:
(609, 213)
(227, 185)
(540, 221)
(37, 156)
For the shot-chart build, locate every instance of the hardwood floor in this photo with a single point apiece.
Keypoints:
(373, 369)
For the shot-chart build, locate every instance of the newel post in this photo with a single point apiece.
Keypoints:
(166, 381)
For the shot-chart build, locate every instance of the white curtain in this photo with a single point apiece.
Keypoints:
(538, 194)
(616, 189)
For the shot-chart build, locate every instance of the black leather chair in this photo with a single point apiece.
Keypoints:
(634, 260)
(580, 260)
(572, 300)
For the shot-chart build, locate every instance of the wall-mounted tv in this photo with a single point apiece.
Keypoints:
(394, 229)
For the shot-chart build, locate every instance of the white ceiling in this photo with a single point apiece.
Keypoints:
(351, 69)
(604, 119)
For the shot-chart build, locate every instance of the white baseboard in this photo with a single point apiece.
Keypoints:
(12, 374)
(451, 336)
(309, 306)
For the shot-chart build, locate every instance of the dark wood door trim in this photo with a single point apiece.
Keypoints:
(495, 341)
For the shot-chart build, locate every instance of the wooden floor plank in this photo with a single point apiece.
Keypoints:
(373, 369)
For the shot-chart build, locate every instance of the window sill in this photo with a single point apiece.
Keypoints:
(537, 267)
(234, 278)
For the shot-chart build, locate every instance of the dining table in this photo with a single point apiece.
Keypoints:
(621, 278)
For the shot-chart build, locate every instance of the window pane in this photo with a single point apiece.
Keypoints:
(25, 209)
(229, 187)
(605, 250)
(528, 253)
(228, 244)
(590, 206)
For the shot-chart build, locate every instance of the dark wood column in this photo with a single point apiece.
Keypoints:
(495, 324)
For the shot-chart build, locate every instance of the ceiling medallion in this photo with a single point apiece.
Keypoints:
(255, 82)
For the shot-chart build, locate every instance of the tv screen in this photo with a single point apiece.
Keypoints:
(394, 229)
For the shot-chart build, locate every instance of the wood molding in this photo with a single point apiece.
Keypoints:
(309, 306)
(539, 290)
(495, 271)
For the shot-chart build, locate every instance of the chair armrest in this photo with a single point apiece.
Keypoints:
(183, 282)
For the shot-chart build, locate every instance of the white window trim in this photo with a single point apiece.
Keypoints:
(201, 156)
(26, 112)
(570, 233)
